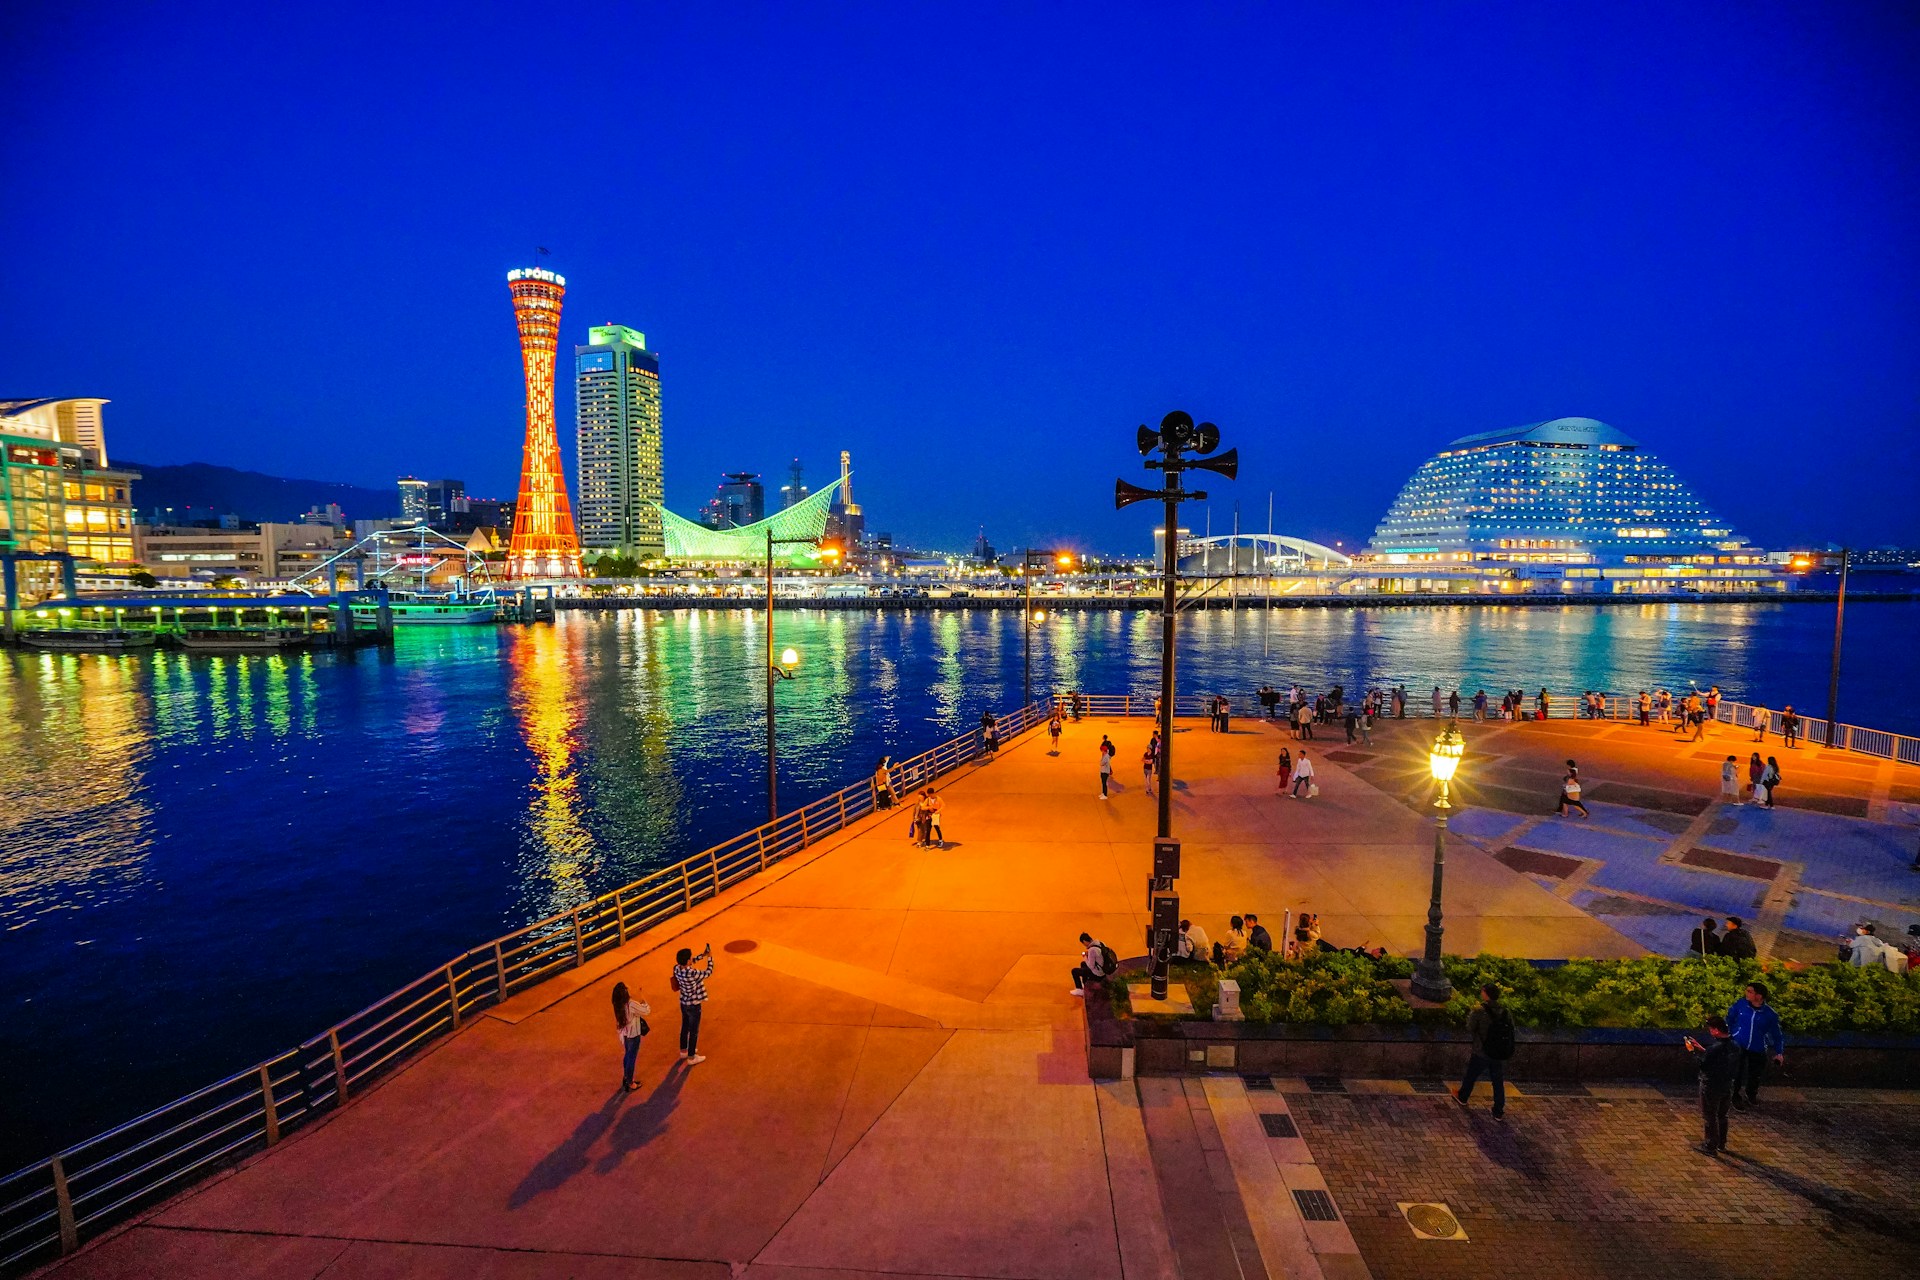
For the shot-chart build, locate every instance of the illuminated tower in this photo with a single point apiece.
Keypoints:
(544, 543)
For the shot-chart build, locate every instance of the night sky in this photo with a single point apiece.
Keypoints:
(977, 245)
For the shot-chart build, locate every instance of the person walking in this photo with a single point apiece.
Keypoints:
(1352, 721)
(1146, 768)
(1491, 1028)
(1755, 1028)
(1284, 772)
(1306, 722)
(1756, 775)
(1761, 718)
(1366, 726)
(691, 983)
(1730, 781)
(1096, 965)
(1737, 942)
(630, 1020)
(1666, 706)
(1705, 941)
(1106, 763)
(1303, 777)
(1570, 793)
(1698, 715)
(1790, 728)
(1770, 779)
(1053, 732)
(931, 833)
(1718, 1061)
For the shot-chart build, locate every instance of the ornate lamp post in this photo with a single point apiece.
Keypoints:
(1429, 975)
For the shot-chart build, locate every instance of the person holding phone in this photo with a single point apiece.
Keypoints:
(691, 983)
(1718, 1062)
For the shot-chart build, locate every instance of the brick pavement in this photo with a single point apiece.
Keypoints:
(1579, 1187)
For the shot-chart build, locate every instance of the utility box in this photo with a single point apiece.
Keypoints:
(1166, 859)
(1227, 1007)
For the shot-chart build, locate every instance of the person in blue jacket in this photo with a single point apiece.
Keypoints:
(1754, 1028)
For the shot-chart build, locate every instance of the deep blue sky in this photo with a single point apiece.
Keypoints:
(976, 245)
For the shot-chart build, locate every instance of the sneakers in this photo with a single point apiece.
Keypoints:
(1457, 1098)
(696, 1059)
(1078, 991)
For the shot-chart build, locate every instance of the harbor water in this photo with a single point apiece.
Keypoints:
(205, 859)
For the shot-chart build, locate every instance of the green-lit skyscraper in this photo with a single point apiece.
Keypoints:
(617, 381)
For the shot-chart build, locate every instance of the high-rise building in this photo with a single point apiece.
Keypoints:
(739, 501)
(845, 522)
(794, 491)
(413, 500)
(57, 492)
(444, 499)
(617, 382)
(544, 544)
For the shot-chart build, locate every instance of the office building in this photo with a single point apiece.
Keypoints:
(794, 491)
(413, 500)
(57, 493)
(618, 461)
(845, 522)
(738, 501)
(445, 498)
(253, 553)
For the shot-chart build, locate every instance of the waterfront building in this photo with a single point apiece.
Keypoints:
(544, 543)
(254, 553)
(846, 523)
(794, 491)
(1570, 504)
(617, 388)
(800, 528)
(57, 493)
(413, 500)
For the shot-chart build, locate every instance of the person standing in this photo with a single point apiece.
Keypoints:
(1303, 776)
(1705, 941)
(1646, 709)
(883, 783)
(1453, 704)
(1790, 728)
(930, 806)
(1761, 718)
(1053, 732)
(1718, 1062)
(1436, 702)
(1146, 768)
(1480, 705)
(691, 983)
(1543, 704)
(1491, 1028)
(1284, 772)
(1366, 726)
(1756, 775)
(1352, 718)
(1400, 702)
(1770, 779)
(1737, 942)
(1755, 1028)
(1699, 717)
(630, 1020)
(1226, 715)
(1570, 793)
(1106, 763)
(1730, 781)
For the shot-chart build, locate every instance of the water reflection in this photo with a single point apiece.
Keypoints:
(556, 851)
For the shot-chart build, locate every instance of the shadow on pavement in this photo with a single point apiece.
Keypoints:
(642, 1124)
(569, 1158)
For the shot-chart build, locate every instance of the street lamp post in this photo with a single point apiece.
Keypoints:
(776, 671)
(1028, 620)
(1429, 975)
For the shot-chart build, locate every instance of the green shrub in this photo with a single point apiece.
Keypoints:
(1329, 988)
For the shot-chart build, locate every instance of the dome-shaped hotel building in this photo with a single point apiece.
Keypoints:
(1571, 504)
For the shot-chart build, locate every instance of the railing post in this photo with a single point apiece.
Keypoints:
(686, 888)
(266, 1098)
(579, 954)
(453, 998)
(713, 868)
(500, 969)
(805, 839)
(761, 841)
(620, 913)
(843, 808)
(339, 1067)
(63, 1202)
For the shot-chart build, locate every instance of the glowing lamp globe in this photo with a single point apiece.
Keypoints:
(1444, 756)
(789, 658)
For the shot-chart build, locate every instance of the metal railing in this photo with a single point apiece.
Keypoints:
(47, 1209)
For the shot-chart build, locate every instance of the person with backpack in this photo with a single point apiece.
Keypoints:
(630, 1020)
(1769, 780)
(1491, 1027)
(1718, 1061)
(1096, 966)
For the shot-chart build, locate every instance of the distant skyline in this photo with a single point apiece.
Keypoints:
(977, 245)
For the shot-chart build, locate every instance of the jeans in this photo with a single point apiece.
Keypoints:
(1753, 1065)
(1084, 977)
(1713, 1113)
(1495, 1070)
(1301, 781)
(626, 1063)
(1104, 775)
(690, 1028)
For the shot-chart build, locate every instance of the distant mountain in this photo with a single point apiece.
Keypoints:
(213, 491)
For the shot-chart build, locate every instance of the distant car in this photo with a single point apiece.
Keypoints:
(958, 591)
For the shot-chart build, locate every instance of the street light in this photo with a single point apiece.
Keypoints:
(1034, 618)
(1429, 975)
(780, 670)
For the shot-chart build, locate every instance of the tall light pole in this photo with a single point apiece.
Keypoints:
(1027, 619)
(1839, 619)
(776, 671)
(1178, 435)
(1429, 975)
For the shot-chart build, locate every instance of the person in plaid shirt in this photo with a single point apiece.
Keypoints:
(691, 983)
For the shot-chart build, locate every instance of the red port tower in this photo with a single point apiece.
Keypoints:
(544, 543)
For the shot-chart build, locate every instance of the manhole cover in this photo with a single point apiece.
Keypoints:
(1432, 1221)
(1278, 1125)
(1316, 1206)
(740, 946)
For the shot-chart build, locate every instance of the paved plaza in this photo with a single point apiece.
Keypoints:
(897, 1083)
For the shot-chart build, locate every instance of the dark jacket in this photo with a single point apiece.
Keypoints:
(1717, 1062)
(1738, 943)
(1480, 1021)
(1712, 938)
(1259, 939)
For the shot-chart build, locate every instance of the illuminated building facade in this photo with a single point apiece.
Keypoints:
(544, 544)
(617, 385)
(57, 492)
(800, 527)
(848, 524)
(413, 500)
(1571, 499)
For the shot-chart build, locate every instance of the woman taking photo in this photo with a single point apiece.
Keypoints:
(630, 1017)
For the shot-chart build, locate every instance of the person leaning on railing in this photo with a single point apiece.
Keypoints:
(883, 783)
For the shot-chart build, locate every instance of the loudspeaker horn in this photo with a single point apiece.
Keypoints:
(1125, 495)
(1147, 438)
(1227, 464)
(1206, 438)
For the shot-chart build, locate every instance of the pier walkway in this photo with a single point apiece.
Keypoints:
(896, 1080)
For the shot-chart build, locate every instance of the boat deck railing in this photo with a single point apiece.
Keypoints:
(49, 1208)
